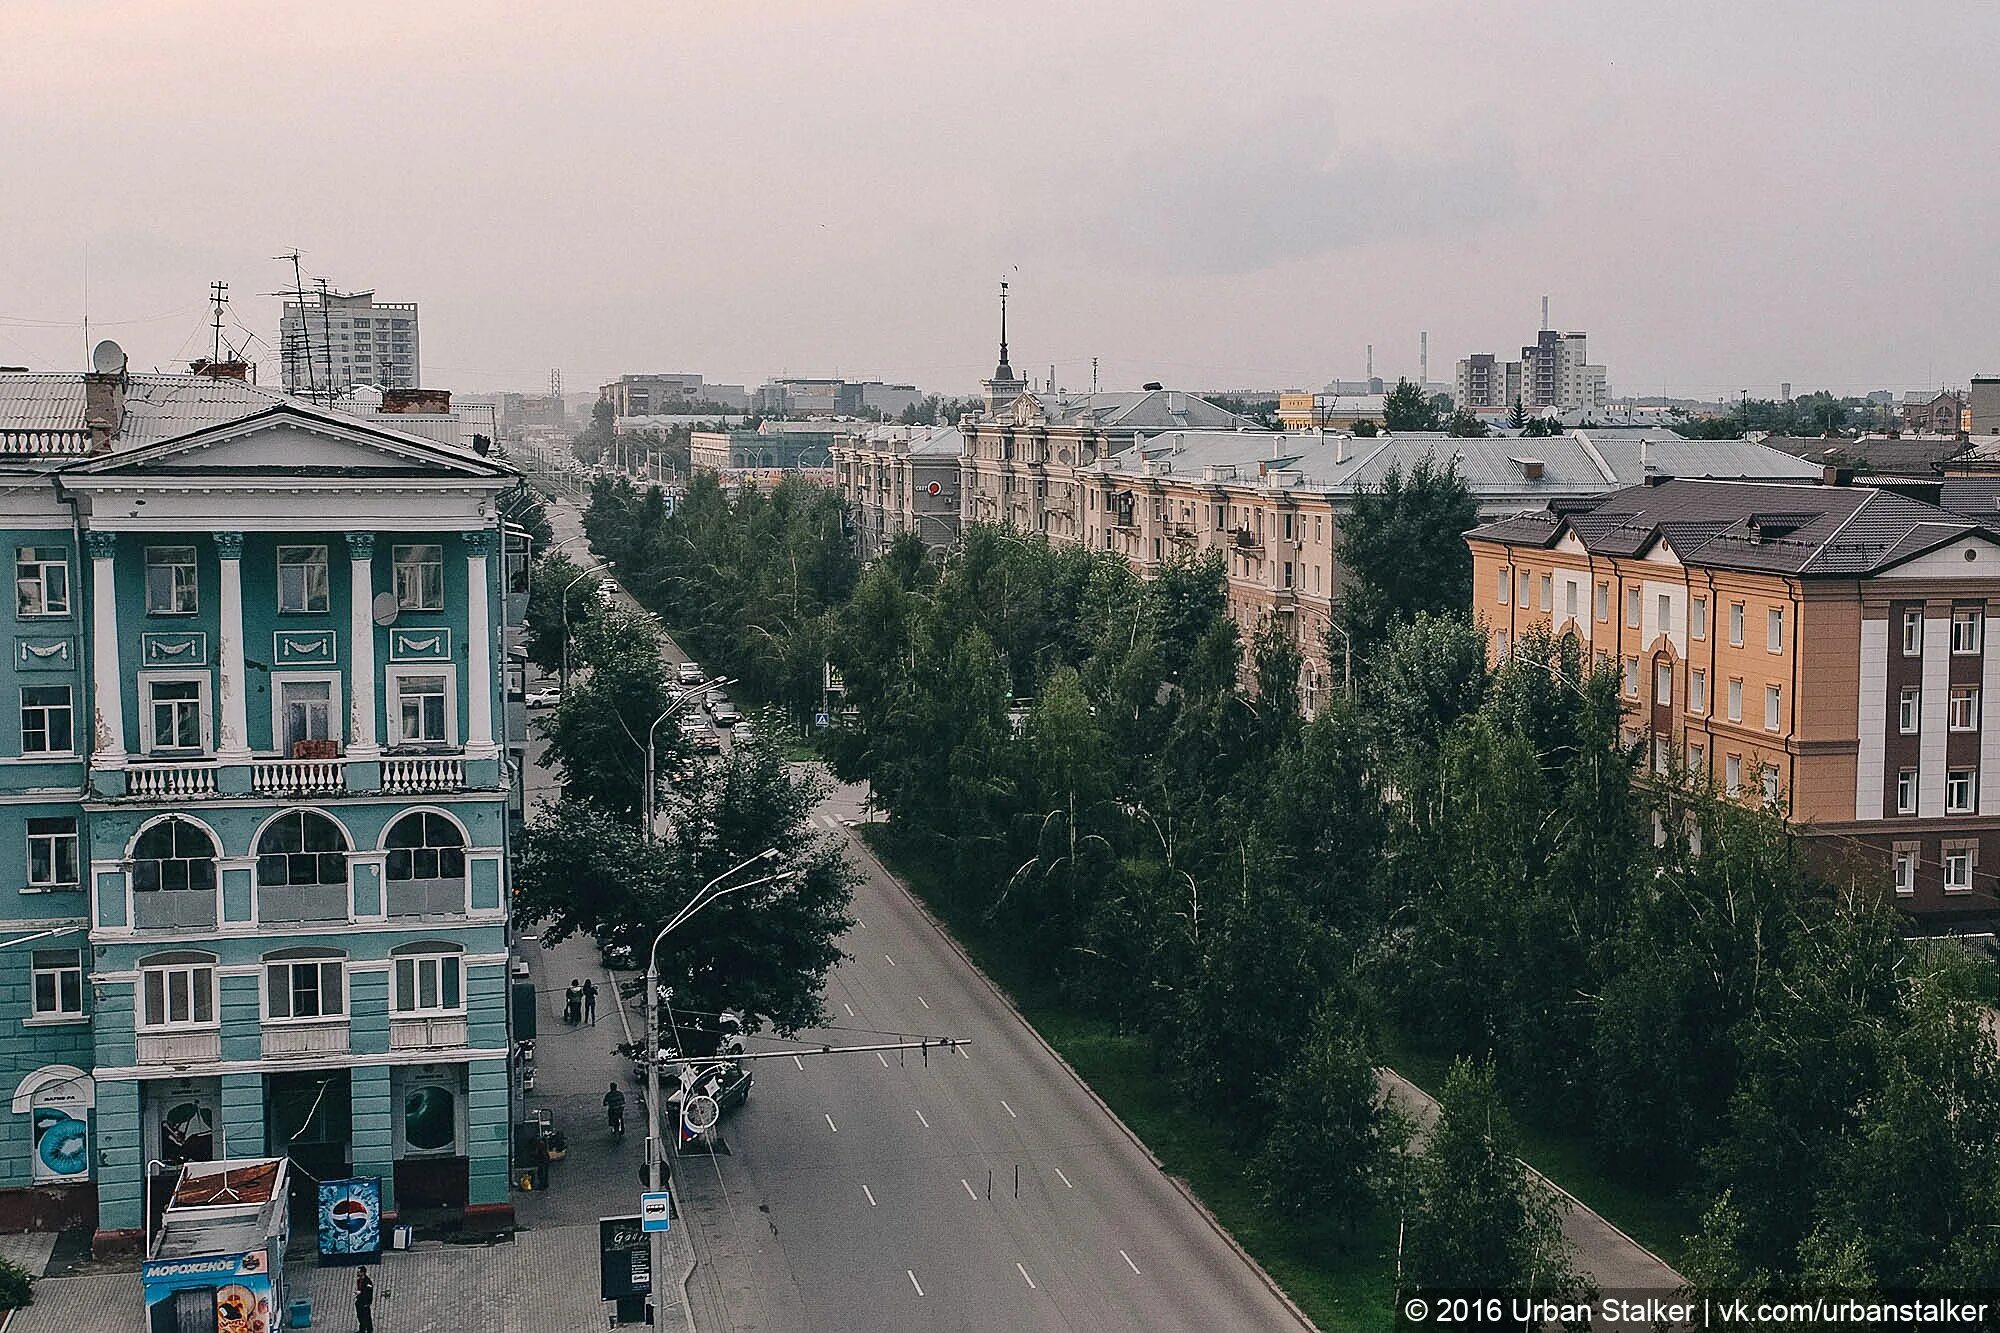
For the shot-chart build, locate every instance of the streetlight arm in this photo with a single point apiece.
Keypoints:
(680, 918)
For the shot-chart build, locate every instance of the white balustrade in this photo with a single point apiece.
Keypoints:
(297, 777)
(180, 1048)
(413, 1034)
(328, 1037)
(170, 780)
(421, 773)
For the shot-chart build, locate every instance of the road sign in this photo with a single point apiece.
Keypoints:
(822, 720)
(701, 1114)
(655, 1212)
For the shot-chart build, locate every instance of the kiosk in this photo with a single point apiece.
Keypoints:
(217, 1262)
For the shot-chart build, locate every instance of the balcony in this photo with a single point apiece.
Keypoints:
(180, 1048)
(423, 773)
(173, 909)
(320, 1037)
(437, 1032)
(1184, 533)
(1246, 540)
(171, 779)
(298, 777)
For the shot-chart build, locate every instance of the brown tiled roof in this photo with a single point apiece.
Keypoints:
(1830, 531)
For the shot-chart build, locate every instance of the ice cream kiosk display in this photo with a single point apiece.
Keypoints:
(217, 1262)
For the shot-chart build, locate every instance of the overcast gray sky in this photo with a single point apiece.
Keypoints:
(1213, 194)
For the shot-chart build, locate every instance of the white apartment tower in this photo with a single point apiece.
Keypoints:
(330, 342)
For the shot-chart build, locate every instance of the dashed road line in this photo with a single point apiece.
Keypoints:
(1010, 1110)
(914, 1282)
(892, 962)
(1128, 1261)
(859, 922)
(1024, 1274)
(871, 1203)
(800, 1063)
(848, 1007)
(883, 1058)
(1065, 1179)
(967, 1054)
(920, 1117)
(968, 1187)
(830, 1125)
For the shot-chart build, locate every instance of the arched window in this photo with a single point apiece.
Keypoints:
(173, 875)
(426, 865)
(301, 849)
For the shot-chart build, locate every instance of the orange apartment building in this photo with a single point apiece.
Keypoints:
(1820, 646)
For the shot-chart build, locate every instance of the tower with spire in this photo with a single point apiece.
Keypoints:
(1004, 387)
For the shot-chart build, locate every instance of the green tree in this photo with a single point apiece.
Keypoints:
(1517, 416)
(597, 735)
(1465, 424)
(523, 508)
(1475, 1218)
(1365, 430)
(1335, 1146)
(1406, 408)
(1403, 547)
(554, 579)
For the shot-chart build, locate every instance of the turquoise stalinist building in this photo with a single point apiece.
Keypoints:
(254, 797)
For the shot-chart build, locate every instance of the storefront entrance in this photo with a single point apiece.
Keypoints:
(309, 1117)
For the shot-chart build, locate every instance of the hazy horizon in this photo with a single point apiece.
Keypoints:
(1210, 195)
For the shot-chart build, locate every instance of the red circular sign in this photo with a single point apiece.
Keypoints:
(936, 489)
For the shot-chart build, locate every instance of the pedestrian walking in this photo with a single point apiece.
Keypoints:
(573, 1003)
(590, 1002)
(364, 1302)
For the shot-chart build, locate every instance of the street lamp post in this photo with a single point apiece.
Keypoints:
(646, 799)
(595, 568)
(702, 898)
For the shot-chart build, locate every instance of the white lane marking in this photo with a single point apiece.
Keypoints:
(914, 1283)
(800, 1063)
(892, 962)
(871, 1203)
(922, 1001)
(830, 1125)
(967, 1054)
(1010, 1110)
(1064, 1179)
(1128, 1261)
(883, 1058)
(859, 922)
(1024, 1273)
(968, 1187)
(920, 1116)
(848, 1007)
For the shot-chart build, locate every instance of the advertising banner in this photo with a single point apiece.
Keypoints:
(61, 1126)
(350, 1220)
(236, 1287)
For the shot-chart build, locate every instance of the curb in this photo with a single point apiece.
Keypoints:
(1000, 993)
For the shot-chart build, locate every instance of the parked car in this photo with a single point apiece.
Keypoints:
(744, 731)
(699, 734)
(546, 697)
(689, 673)
(715, 698)
(726, 714)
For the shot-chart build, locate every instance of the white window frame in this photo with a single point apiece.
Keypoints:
(204, 707)
(393, 677)
(419, 963)
(1732, 773)
(401, 557)
(54, 842)
(1913, 631)
(67, 707)
(1774, 630)
(1968, 631)
(1774, 707)
(1956, 859)
(1906, 791)
(1698, 617)
(1966, 783)
(1663, 683)
(322, 964)
(1631, 677)
(37, 970)
(1524, 581)
(1570, 600)
(325, 579)
(1736, 698)
(1772, 779)
(336, 715)
(1697, 689)
(1666, 609)
(1736, 624)
(1962, 709)
(1632, 608)
(1903, 869)
(31, 566)
(1548, 592)
(1601, 603)
(191, 587)
(199, 976)
(1909, 710)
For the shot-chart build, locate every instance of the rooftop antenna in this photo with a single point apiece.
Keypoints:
(289, 350)
(1093, 375)
(1371, 361)
(218, 295)
(1424, 358)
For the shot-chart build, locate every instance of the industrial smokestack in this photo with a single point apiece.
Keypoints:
(1424, 359)
(1545, 312)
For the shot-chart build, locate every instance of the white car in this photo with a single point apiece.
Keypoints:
(688, 673)
(743, 731)
(549, 696)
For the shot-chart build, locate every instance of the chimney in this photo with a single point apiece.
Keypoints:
(231, 369)
(104, 408)
(411, 402)
(1835, 475)
(1340, 447)
(1531, 468)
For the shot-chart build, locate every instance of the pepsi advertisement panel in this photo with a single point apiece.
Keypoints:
(350, 1220)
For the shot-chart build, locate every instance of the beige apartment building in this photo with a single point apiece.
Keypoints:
(898, 479)
(1272, 504)
(1819, 646)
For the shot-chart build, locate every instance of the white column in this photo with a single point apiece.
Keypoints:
(235, 745)
(107, 678)
(1936, 695)
(1872, 721)
(361, 743)
(478, 647)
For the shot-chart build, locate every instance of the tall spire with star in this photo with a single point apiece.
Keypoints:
(1005, 386)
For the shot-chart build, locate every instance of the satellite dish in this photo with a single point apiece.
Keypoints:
(385, 608)
(108, 358)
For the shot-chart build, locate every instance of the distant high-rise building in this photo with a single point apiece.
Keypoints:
(1553, 375)
(329, 342)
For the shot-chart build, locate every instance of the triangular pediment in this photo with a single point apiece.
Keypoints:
(290, 439)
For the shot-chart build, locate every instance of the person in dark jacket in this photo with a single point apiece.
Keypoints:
(364, 1302)
(589, 1001)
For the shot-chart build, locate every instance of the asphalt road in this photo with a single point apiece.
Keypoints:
(879, 1191)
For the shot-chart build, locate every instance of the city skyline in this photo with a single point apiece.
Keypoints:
(1649, 175)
